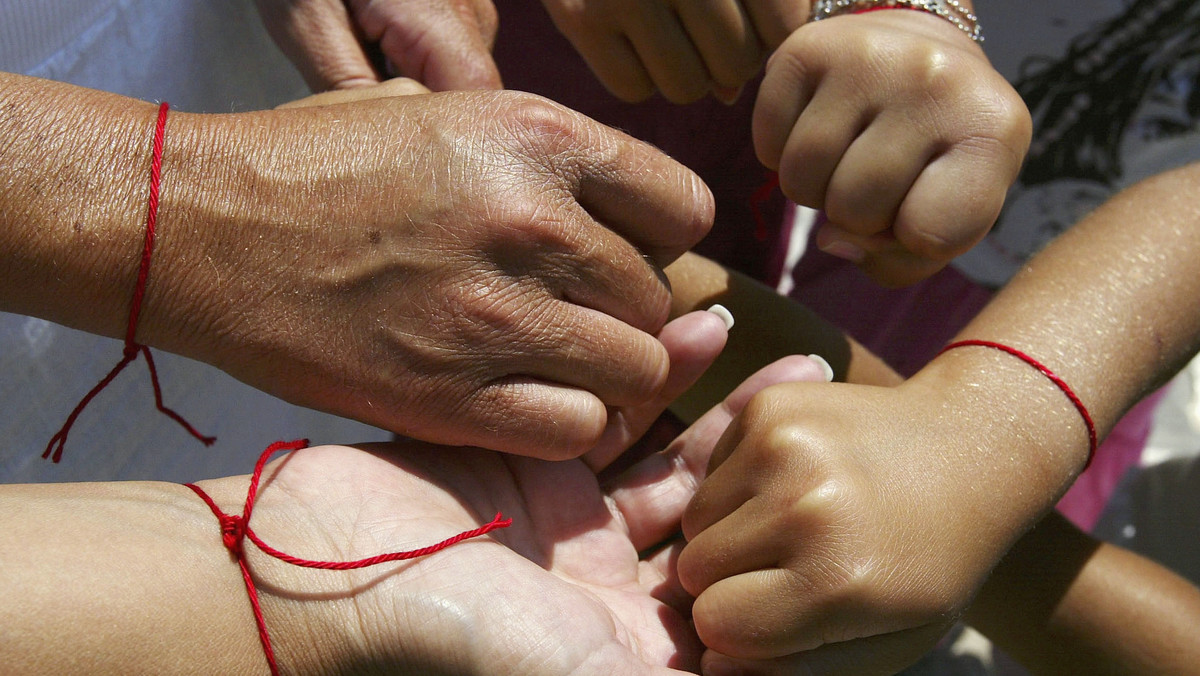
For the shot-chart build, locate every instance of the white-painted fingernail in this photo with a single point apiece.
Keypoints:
(825, 367)
(725, 315)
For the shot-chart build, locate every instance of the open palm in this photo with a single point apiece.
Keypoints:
(564, 590)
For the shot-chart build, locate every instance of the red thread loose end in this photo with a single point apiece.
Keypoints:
(54, 449)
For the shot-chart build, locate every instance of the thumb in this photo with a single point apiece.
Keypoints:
(320, 40)
(692, 341)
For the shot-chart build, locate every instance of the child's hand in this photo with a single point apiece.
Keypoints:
(683, 49)
(894, 123)
(844, 528)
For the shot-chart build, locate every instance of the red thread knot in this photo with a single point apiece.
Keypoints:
(233, 531)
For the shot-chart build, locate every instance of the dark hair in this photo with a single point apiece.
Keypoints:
(1083, 103)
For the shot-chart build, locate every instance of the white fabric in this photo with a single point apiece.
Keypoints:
(202, 56)
(1025, 38)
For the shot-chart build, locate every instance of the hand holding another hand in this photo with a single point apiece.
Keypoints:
(568, 569)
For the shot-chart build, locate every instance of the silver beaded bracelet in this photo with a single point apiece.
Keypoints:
(950, 10)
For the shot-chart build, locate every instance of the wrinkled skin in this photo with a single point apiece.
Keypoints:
(893, 122)
(490, 262)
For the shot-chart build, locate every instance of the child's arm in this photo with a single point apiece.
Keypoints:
(1060, 602)
(769, 326)
(1063, 603)
(894, 122)
(851, 525)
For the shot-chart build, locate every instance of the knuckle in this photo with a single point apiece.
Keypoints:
(543, 127)
(932, 244)
(489, 312)
(807, 148)
(856, 209)
(762, 408)
(1001, 129)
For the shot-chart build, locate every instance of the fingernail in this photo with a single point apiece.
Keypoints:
(727, 95)
(825, 367)
(843, 249)
(725, 315)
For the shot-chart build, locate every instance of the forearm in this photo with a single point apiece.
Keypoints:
(74, 192)
(1110, 307)
(73, 177)
(119, 578)
(768, 326)
(1064, 603)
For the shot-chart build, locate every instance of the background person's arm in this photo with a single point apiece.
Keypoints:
(1063, 603)
(768, 327)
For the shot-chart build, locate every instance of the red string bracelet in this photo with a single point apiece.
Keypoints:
(54, 449)
(235, 529)
(1093, 443)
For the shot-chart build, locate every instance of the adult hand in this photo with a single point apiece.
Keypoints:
(897, 126)
(466, 268)
(683, 49)
(842, 529)
(561, 591)
(337, 44)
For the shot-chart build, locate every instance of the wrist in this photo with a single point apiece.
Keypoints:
(131, 569)
(956, 13)
(1027, 433)
(234, 210)
(73, 201)
(303, 610)
(203, 234)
